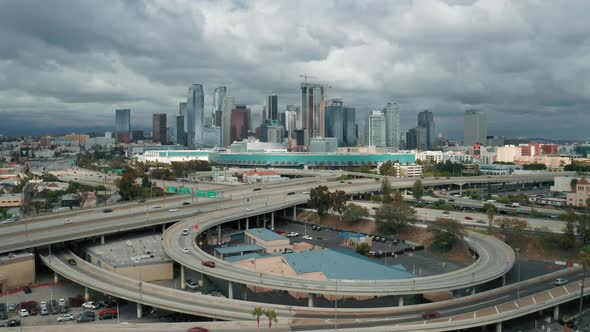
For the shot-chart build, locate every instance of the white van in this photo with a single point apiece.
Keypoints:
(515, 205)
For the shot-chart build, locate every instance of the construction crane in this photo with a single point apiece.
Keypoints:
(305, 77)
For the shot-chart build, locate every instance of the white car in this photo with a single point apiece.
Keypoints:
(23, 312)
(185, 231)
(292, 234)
(305, 193)
(156, 207)
(67, 221)
(89, 305)
(307, 237)
(185, 250)
(173, 210)
(66, 317)
(248, 209)
(560, 282)
(61, 302)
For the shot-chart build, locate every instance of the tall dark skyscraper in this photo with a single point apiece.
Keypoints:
(475, 128)
(123, 125)
(341, 123)
(272, 107)
(312, 109)
(180, 133)
(426, 120)
(159, 128)
(218, 97)
(239, 123)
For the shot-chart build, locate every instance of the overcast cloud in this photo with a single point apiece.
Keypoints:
(525, 63)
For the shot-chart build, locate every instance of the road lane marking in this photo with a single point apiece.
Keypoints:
(496, 307)
(550, 294)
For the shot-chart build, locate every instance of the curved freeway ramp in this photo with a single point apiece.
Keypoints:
(471, 311)
(495, 259)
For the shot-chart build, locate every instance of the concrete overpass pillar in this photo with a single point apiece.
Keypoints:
(247, 223)
(139, 310)
(400, 301)
(219, 234)
(55, 278)
(102, 239)
(499, 327)
(230, 290)
(258, 221)
(239, 224)
(461, 189)
(294, 212)
(473, 290)
(310, 300)
(182, 286)
(503, 280)
(202, 281)
(272, 221)
(163, 228)
(86, 294)
(556, 313)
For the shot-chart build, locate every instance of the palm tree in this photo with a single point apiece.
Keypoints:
(257, 312)
(272, 316)
(491, 212)
(584, 256)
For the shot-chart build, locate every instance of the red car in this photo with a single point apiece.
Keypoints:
(433, 314)
(280, 231)
(197, 329)
(208, 264)
(468, 218)
(109, 310)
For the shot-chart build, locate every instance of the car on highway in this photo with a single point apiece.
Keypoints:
(307, 237)
(186, 203)
(433, 314)
(480, 221)
(292, 234)
(156, 207)
(248, 209)
(67, 221)
(72, 262)
(191, 284)
(210, 264)
(172, 210)
(89, 305)
(23, 312)
(446, 212)
(66, 317)
(446, 217)
(185, 231)
(197, 329)
(560, 282)
(185, 250)
(468, 218)
(107, 210)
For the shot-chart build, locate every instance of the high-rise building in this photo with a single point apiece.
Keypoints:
(228, 106)
(416, 139)
(312, 109)
(211, 136)
(218, 97)
(195, 107)
(392, 125)
(180, 133)
(159, 128)
(289, 122)
(239, 123)
(272, 107)
(426, 120)
(475, 128)
(341, 123)
(375, 129)
(123, 125)
(297, 110)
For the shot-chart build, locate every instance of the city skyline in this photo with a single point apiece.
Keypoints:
(470, 55)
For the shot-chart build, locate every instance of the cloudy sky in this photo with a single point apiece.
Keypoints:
(69, 64)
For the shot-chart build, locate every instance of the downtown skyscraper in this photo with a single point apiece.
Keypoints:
(341, 123)
(475, 127)
(426, 121)
(159, 128)
(272, 107)
(195, 116)
(392, 125)
(218, 97)
(312, 109)
(123, 125)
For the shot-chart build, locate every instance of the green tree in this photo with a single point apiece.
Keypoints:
(386, 190)
(514, 224)
(535, 167)
(338, 201)
(573, 184)
(363, 249)
(418, 190)
(271, 315)
(491, 213)
(394, 217)
(128, 189)
(583, 225)
(258, 312)
(446, 232)
(353, 213)
(320, 199)
(567, 240)
(388, 169)
(145, 181)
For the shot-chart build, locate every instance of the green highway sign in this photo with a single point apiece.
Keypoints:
(184, 190)
(200, 193)
(211, 194)
(170, 189)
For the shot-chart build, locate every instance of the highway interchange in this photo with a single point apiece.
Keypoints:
(209, 212)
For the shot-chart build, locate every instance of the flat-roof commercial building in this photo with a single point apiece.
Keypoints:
(267, 239)
(139, 257)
